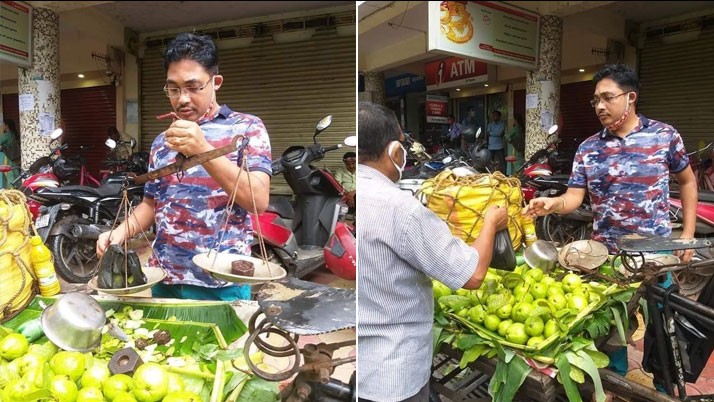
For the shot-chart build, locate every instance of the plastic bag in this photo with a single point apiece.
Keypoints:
(504, 257)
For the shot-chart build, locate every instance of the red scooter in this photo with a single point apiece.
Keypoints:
(705, 212)
(692, 282)
(39, 175)
(309, 232)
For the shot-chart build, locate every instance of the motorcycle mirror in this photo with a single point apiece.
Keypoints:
(56, 134)
(478, 133)
(324, 122)
(110, 143)
(552, 130)
(322, 125)
(132, 142)
(351, 141)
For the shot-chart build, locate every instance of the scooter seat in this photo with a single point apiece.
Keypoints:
(104, 190)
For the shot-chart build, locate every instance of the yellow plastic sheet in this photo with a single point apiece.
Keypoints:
(462, 201)
(18, 284)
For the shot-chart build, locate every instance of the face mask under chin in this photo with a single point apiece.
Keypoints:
(404, 158)
(617, 124)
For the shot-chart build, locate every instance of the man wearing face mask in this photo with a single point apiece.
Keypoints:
(625, 169)
(402, 245)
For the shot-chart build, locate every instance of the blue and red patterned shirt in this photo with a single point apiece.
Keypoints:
(628, 179)
(191, 212)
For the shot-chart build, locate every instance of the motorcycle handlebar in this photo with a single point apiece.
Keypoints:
(333, 147)
(59, 148)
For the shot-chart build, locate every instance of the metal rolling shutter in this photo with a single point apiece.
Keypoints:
(11, 109)
(87, 113)
(289, 86)
(677, 86)
(579, 119)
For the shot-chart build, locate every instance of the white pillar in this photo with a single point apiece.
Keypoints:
(39, 86)
(545, 84)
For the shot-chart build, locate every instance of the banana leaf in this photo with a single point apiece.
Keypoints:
(186, 333)
(219, 313)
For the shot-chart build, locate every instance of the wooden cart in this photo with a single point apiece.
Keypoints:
(470, 384)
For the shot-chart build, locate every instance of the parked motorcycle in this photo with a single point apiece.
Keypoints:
(71, 218)
(421, 166)
(309, 232)
(545, 174)
(137, 163)
(39, 175)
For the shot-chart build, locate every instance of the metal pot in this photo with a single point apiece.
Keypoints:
(74, 322)
(588, 254)
(541, 254)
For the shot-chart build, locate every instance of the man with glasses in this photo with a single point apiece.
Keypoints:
(625, 168)
(206, 208)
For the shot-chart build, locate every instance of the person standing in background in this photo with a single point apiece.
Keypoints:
(9, 152)
(453, 137)
(517, 138)
(496, 130)
(346, 177)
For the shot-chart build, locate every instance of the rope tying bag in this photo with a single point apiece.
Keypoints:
(18, 284)
(461, 202)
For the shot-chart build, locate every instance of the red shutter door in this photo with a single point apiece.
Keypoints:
(579, 119)
(87, 113)
(519, 102)
(11, 108)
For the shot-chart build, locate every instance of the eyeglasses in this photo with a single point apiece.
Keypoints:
(173, 92)
(607, 99)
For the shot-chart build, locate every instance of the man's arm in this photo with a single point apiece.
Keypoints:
(186, 137)
(140, 220)
(688, 190)
(496, 219)
(340, 176)
(566, 203)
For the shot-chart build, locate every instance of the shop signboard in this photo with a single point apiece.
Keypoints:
(454, 72)
(437, 109)
(403, 84)
(491, 31)
(16, 33)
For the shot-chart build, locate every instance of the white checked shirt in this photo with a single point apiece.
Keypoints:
(401, 246)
